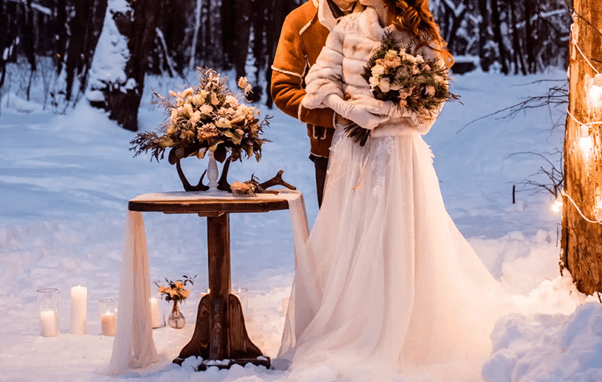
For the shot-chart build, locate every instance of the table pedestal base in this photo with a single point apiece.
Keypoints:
(220, 336)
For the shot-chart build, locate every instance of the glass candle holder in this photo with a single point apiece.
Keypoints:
(157, 311)
(48, 303)
(108, 316)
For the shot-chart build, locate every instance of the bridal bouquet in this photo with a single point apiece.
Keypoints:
(409, 81)
(205, 117)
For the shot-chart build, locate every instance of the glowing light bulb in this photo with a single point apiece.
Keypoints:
(598, 209)
(586, 143)
(557, 205)
(594, 92)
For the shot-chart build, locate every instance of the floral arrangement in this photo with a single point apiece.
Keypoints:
(410, 81)
(176, 290)
(207, 117)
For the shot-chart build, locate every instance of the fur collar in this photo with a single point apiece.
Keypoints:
(325, 16)
(371, 27)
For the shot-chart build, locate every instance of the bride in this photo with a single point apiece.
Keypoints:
(386, 286)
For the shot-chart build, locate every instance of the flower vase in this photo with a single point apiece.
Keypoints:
(176, 319)
(212, 172)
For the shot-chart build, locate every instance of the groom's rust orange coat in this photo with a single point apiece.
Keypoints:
(301, 41)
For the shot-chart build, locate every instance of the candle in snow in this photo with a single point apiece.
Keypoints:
(48, 320)
(79, 301)
(107, 322)
(155, 313)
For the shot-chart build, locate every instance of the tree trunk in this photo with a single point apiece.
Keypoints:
(484, 35)
(121, 88)
(497, 34)
(242, 26)
(529, 40)
(581, 240)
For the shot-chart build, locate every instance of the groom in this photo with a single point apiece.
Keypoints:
(303, 35)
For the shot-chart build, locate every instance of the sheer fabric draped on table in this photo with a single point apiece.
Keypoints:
(134, 347)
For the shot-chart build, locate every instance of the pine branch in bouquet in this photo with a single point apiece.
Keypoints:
(147, 141)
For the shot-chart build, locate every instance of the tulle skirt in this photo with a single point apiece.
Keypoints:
(387, 288)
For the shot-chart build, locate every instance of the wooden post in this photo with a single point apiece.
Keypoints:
(218, 243)
(582, 240)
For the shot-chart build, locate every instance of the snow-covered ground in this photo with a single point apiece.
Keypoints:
(65, 181)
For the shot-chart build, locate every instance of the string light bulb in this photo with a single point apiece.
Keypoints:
(557, 205)
(586, 142)
(594, 92)
(598, 209)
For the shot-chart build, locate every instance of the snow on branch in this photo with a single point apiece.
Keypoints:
(35, 6)
(456, 9)
(543, 15)
(168, 59)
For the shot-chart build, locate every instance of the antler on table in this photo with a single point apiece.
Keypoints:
(276, 180)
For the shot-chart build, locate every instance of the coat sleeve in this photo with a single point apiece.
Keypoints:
(326, 76)
(287, 86)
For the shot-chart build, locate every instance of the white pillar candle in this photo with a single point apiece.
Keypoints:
(107, 322)
(48, 320)
(155, 313)
(79, 302)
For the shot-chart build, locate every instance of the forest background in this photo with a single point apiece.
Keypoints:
(55, 41)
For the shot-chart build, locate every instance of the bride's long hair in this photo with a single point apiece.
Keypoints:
(415, 16)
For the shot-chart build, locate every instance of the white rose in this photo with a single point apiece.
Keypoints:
(198, 100)
(378, 70)
(232, 101)
(373, 83)
(196, 116)
(187, 110)
(206, 109)
(385, 85)
(223, 122)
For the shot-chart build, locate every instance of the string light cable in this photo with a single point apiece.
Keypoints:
(588, 124)
(578, 210)
(578, 48)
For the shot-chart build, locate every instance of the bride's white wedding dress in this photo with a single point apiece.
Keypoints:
(386, 286)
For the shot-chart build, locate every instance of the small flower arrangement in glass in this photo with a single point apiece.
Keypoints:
(409, 81)
(207, 119)
(176, 292)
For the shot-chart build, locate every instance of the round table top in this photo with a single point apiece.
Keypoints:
(206, 203)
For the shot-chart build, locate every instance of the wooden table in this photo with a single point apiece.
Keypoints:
(220, 336)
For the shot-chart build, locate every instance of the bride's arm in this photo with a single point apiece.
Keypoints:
(326, 76)
(324, 83)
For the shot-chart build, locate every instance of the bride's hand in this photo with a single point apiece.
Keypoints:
(365, 113)
(384, 108)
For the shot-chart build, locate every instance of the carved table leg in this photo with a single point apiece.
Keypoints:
(220, 336)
